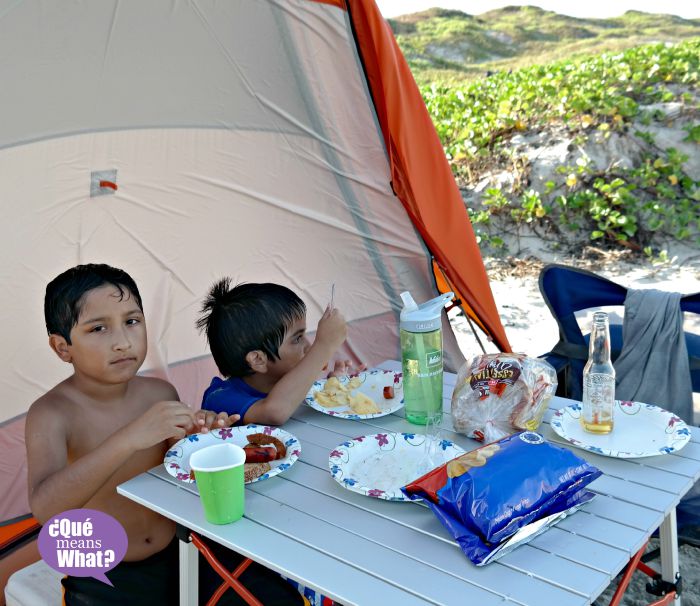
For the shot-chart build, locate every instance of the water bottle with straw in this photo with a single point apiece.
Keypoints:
(421, 358)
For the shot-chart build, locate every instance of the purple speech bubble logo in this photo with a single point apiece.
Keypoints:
(83, 543)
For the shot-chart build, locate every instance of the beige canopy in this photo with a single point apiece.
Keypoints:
(186, 141)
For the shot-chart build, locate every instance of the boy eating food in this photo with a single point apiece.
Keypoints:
(257, 336)
(104, 425)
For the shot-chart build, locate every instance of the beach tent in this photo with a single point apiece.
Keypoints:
(266, 140)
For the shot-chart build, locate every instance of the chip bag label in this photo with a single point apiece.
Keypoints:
(494, 378)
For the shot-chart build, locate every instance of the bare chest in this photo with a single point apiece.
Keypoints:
(91, 428)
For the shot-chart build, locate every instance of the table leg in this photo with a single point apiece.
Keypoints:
(668, 543)
(189, 574)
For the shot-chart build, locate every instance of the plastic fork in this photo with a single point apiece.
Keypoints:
(430, 459)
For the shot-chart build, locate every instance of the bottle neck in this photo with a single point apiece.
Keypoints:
(599, 346)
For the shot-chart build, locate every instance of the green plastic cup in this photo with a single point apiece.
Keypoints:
(218, 471)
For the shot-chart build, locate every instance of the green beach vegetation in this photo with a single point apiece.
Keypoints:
(590, 83)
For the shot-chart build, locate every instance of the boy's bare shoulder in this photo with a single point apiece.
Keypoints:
(154, 388)
(55, 404)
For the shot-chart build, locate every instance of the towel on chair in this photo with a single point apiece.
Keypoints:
(653, 364)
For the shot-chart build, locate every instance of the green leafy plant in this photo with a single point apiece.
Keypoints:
(634, 207)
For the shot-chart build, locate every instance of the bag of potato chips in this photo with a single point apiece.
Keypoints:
(504, 493)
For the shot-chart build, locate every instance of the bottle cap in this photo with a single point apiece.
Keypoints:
(408, 303)
(425, 317)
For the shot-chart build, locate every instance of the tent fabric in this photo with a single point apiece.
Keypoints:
(246, 141)
(13, 470)
(421, 177)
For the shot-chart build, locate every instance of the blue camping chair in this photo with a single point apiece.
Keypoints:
(567, 290)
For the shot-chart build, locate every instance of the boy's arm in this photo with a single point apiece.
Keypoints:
(55, 485)
(284, 398)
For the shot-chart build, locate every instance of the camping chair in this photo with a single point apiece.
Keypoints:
(17, 532)
(25, 578)
(567, 290)
(230, 579)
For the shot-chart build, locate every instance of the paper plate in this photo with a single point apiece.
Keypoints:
(373, 383)
(177, 459)
(380, 464)
(640, 430)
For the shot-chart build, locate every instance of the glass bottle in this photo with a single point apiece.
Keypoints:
(598, 379)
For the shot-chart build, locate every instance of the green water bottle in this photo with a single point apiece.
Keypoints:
(421, 358)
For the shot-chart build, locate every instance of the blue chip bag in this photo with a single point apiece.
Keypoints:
(486, 496)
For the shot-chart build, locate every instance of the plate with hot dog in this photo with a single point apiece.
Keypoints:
(366, 395)
(269, 451)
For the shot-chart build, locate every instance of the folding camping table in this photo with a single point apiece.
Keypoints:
(360, 550)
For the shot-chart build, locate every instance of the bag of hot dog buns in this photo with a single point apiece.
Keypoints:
(499, 394)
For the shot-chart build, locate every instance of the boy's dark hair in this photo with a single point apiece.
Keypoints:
(66, 292)
(246, 318)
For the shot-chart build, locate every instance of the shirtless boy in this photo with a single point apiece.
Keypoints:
(104, 425)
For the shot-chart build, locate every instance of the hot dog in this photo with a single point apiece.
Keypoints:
(259, 454)
(261, 439)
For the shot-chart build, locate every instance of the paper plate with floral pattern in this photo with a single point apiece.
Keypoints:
(177, 459)
(639, 430)
(379, 465)
(384, 387)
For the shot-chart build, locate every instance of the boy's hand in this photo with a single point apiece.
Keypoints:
(164, 420)
(332, 329)
(206, 420)
(343, 368)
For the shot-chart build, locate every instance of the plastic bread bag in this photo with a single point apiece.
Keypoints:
(504, 493)
(498, 394)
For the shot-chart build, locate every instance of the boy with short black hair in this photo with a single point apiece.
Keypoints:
(257, 336)
(104, 425)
